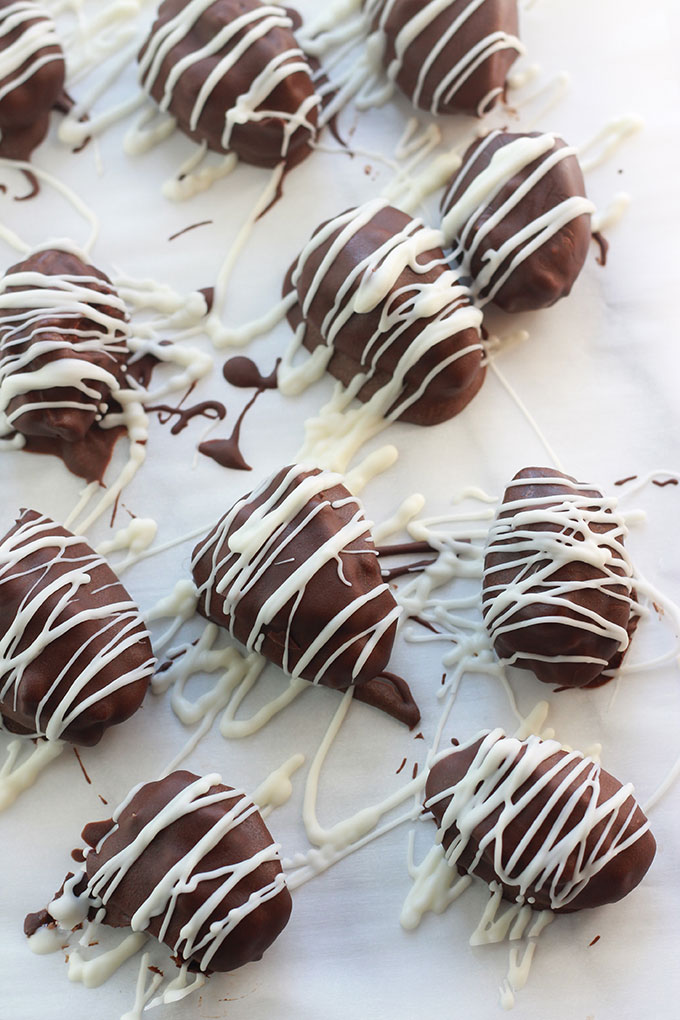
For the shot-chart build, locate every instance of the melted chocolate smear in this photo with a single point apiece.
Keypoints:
(35, 187)
(596, 939)
(662, 485)
(82, 767)
(211, 409)
(244, 374)
(415, 770)
(227, 452)
(603, 244)
(413, 568)
(209, 295)
(443, 679)
(114, 512)
(3, 189)
(624, 481)
(192, 226)
(404, 547)
(102, 799)
(392, 695)
(88, 458)
(400, 767)
(36, 921)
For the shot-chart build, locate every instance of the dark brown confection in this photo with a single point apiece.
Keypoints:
(251, 109)
(448, 373)
(459, 59)
(67, 320)
(558, 597)
(581, 864)
(548, 273)
(245, 839)
(32, 77)
(75, 657)
(337, 627)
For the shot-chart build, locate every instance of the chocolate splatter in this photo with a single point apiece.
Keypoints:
(455, 741)
(596, 939)
(624, 481)
(603, 244)
(102, 799)
(662, 485)
(443, 679)
(419, 736)
(35, 187)
(244, 374)
(192, 226)
(425, 623)
(227, 452)
(80, 762)
(211, 409)
(415, 770)
(400, 767)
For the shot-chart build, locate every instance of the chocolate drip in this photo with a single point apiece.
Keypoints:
(662, 485)
(391, 694)
(211, 409)
(192, 226)
(624, 481)
(34, 185)
(603, 244)
(404, 547)
(244, 374)
(227, 452)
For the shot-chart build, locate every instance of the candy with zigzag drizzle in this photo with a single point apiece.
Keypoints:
(292, 572)
(32, 73)
(188, 860)
(380, 309)
(548, 825)
(233, 76)
(75, 657)
(518, 219)
(558, 592)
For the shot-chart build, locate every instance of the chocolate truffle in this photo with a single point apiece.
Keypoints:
(63, 351)
(549, 826)
(191, 862)
(448, 57)
(517, 215)
(32, 73)
(75, 657)
(292, 572)
(233, 76)
(374, 290)
(558, 594)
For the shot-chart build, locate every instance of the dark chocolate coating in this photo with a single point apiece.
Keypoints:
(70, 425)
(257, 141)
(556, 639)
(73, 651)
(450, 390)
(25, 110)
(615, 879)
(324, 597)
(254, 933)
(550, 272)
(493, 16)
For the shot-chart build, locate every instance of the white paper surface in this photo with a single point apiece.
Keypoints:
(599, 374)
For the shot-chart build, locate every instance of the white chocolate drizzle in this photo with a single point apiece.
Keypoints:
(538, 554)
(495, 778)
(186, 872)
(254, 25)
(255, 545)
(461, 216)
(26, 56)
(51, 600)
